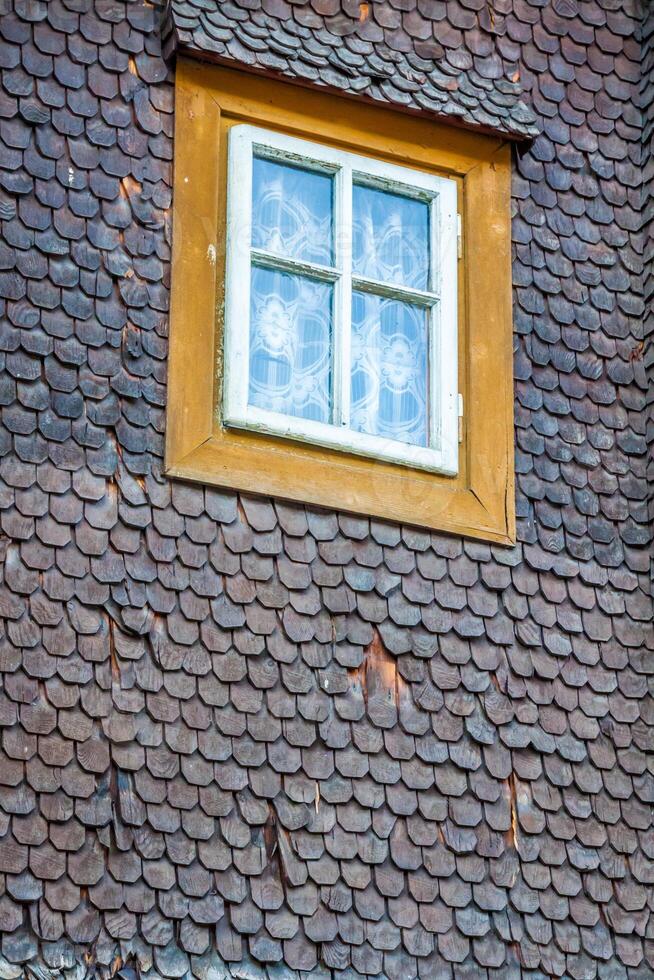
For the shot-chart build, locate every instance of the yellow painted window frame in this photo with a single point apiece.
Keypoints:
(480, 500)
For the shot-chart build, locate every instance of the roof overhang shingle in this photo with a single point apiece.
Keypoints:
(412, 58)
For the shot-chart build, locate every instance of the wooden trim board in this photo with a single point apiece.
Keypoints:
(479, 501)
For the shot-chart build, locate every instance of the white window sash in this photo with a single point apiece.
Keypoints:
(440, 300)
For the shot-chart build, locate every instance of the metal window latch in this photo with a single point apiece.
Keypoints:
(459, 237)
(460, 418)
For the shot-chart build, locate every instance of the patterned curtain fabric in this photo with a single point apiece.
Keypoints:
(292, 212)
(290, 344)
(390, 243)
(291, 315)
(389, 369)
(390, 240)
(292, 320)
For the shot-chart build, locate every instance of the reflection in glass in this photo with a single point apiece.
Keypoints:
(292, 211)
(290, 337)
(390, 237)
(389, 369)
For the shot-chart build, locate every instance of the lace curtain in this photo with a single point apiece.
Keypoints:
(390, 243)
(291, 323)
(292, 212)
(389, 369)
(291, 315)
(290, 344)
(390, 238)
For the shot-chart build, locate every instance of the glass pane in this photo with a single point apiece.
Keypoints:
(390, 237)
(389, 369)
(292, 211)
(290, 339)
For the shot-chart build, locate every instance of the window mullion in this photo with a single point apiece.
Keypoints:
(343, 300)
(444, 331)
(297, 267)
(435, 369)
(392, 290)
(238, 273)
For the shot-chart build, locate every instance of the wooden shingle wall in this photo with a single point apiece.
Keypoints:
(240, 738)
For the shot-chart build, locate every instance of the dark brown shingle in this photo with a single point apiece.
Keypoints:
(440, 58)
(236, 734)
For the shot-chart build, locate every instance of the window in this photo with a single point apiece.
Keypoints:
(326, 309)
(340, 305)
